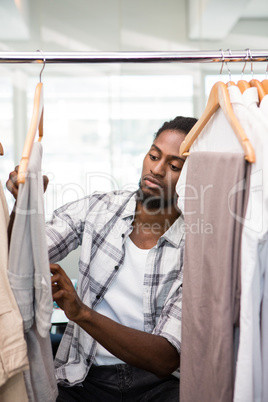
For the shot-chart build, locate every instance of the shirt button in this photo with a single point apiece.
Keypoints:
(98, 297)
(116, 267)
(123, 235)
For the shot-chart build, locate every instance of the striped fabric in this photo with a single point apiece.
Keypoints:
(100, 224)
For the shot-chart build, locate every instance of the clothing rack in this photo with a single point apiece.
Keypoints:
(136, 57)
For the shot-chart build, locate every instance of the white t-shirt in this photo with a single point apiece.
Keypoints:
(123, 302)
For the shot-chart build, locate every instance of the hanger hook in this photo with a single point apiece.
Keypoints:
(229, 71)
(250, 56)
(223, 58)
(44, 63)
(246, 60)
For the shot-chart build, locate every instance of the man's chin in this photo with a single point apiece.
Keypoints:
(152, 201)
(151, 193)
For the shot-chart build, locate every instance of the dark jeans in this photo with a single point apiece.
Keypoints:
(121, 382)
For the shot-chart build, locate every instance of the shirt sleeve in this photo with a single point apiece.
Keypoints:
(64, 231)
(169, 323)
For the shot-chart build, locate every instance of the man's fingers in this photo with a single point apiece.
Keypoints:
(12, 184)
(59, 276)
(13, 176)
(45, 181)
(55, 278)
(57, 271)
(12, 188)
(58, 294)
(55, 268)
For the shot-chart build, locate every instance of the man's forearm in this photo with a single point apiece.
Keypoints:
(147, 351)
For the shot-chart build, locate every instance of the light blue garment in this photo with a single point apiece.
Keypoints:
(29, 277)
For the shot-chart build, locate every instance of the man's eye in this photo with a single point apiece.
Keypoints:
(153, 157)
(174, 168)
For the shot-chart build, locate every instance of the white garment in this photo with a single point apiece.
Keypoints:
(264, 106)
(264, 117)
(248, 367)
(217, 136)
(251, 380)
(264, 260)
(123, 302)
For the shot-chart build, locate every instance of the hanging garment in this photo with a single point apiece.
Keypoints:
(210, 303)
(13, 355)
(14, 390)
(29, 276)
(264, 106)
(217, 136)
(249, 372)
(264, 258)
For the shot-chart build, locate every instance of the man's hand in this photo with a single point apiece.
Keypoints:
(64, 293)
(12, 183)
(138, 348)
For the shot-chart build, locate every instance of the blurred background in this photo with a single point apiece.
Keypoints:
(99, 119)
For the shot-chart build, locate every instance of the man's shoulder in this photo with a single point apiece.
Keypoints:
(97, 202)
(110, 201)
(112, 197)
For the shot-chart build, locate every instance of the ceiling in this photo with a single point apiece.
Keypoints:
(127, 25)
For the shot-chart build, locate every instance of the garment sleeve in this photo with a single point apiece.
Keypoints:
(169, 323)
(64, 231)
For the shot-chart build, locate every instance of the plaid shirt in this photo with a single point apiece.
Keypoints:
(100, 224)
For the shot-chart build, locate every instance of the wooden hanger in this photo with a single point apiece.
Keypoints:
(265, 85)
(36, 122)
(257, 84)
(219, 98)
(243, 85)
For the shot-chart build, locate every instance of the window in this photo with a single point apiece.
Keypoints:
(98, 129)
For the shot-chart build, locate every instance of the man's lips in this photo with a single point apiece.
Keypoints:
(151, 182)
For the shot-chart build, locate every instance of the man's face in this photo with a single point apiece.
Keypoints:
(161, 169)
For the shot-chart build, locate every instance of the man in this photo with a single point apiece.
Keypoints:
(123, 338)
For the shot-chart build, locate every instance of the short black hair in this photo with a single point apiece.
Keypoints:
(180, 123)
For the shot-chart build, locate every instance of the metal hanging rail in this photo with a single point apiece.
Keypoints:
(135, 57)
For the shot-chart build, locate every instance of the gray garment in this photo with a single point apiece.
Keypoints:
(40, 380)
(216, 197)
(29, 277)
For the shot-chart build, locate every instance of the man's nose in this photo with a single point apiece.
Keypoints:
(158, 169)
